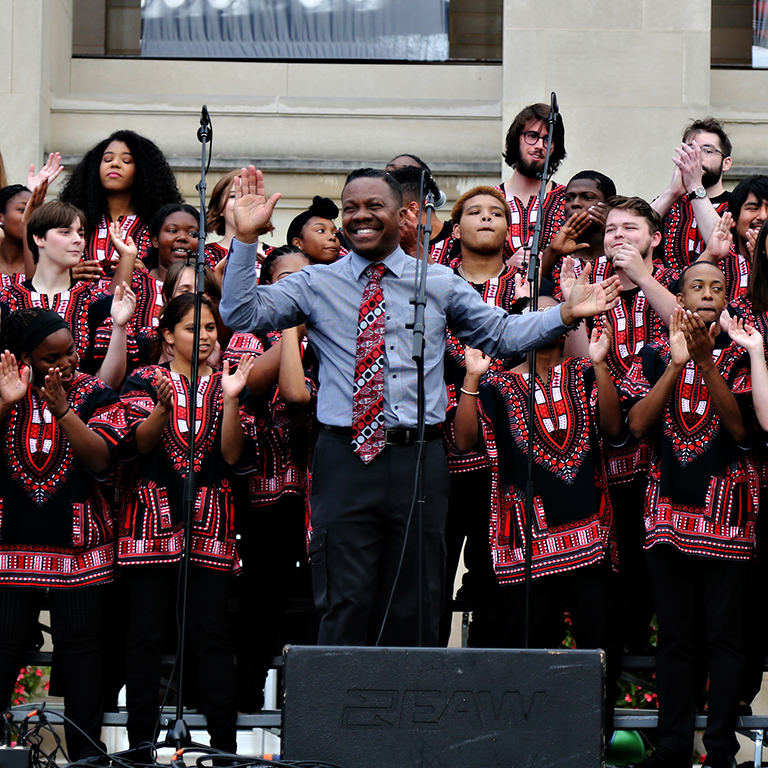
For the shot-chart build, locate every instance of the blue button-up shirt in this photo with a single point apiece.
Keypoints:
(327, 298)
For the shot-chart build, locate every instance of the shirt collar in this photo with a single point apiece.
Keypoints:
(395, 262)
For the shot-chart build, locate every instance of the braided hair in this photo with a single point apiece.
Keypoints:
(273, 256)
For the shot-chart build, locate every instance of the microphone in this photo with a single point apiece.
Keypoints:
(205, 131)
(554, 109)
(431, 186)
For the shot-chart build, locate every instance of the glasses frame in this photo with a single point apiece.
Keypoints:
(708, 149)
(527, 136)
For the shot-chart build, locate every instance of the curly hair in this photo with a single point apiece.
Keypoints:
(154, 184)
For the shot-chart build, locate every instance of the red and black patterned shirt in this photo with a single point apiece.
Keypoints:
(141, 331)
(600, 269)
(214, 253)
(282, 435)
(737, 270)
(55, 524)
(703, 488)
(98, 244)
(573, 523)
(498, 291)
(682, 238)
(525, 215)
(744, 310)
(635, 323)
(84, 308)
(152, 514)
(6, 281)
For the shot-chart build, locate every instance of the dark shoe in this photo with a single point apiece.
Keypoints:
(664, 758)
(719, 759)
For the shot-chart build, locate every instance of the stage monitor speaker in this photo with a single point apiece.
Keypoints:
(443, 707)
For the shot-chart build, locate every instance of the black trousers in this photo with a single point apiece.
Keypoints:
(469, 513)
(755, 617)
(76, 630)
(586, 594)
(634, 604)
(148, 592)
(272, 541)
(359, 533)
(681, 584)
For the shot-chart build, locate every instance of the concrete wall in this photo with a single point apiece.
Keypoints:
(308, 123)
(628, 75)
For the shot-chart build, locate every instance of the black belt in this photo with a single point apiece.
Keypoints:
(396, 435)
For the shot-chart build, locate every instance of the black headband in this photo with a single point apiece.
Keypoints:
(42, 326)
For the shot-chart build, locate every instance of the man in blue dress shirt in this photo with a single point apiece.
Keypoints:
(364, 550)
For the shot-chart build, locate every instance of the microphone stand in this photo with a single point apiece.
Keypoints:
(419, 302)
(534, 267)
(178, 735)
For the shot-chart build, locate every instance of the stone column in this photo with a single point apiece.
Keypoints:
(35, 55)
(628, 76)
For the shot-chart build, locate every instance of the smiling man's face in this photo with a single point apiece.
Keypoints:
(371, 218)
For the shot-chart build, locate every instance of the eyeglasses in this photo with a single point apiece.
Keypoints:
(532, 137)
(708, 149)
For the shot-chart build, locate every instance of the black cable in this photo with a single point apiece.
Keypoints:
(238, 761)
(65, 719)
(7, 728)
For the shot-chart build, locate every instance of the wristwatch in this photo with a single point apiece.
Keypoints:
(699, 193)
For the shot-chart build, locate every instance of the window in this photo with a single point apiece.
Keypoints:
(411, 30)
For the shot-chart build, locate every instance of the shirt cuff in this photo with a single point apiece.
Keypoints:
(243, 253)
(555, 321)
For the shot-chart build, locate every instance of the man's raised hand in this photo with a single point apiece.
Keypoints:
(590, 299)
(252, 209)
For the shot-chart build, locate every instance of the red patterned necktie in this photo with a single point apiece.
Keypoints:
(368, 395)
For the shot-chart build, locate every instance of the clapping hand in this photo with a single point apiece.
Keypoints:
(600, 342)
(589, 299)
(475, 362)
(13, 383)
(232, 384)
(677, 345)
(48, 173)
(565, 242)
(164, 391)
(54, 394)
(699, 338)
(123, 305)
(746, 336)
(721, 239)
